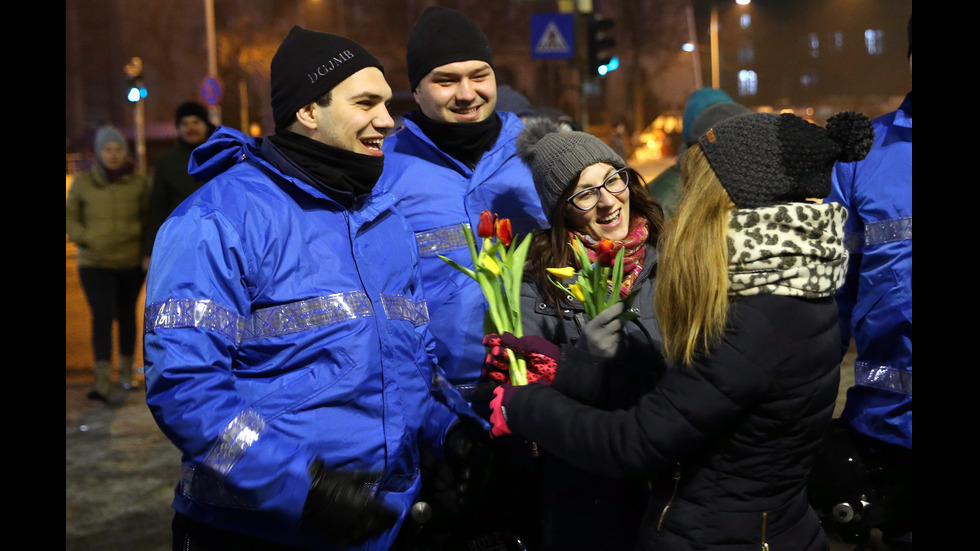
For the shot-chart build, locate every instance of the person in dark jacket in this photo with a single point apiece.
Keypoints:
(745, 301)
(171, 182)
(590, 194)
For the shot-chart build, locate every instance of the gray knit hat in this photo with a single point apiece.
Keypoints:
(764, 159)
(556, 157)
(109, 134)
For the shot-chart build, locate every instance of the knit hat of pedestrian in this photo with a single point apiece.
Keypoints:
(713, 115)
(190, 109)
(109, 134)
(698, 101)
(442, 36)
(764, 159)
(557, 156)
(309, 64)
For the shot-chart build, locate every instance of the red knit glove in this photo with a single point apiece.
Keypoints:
(541, 357)
(498, 417)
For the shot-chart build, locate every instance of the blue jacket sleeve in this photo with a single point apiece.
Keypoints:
(197, 297)
(843, 176)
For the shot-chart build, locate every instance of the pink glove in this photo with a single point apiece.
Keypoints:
(498, 418)
(541, 355)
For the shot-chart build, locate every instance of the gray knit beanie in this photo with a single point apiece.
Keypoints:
(109, 134)
(765, 159)
(556, 157)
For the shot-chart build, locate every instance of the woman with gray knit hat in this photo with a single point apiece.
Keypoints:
(104, 215)
(745, 303)
(589, 194)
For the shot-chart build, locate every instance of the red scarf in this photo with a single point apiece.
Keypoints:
(635, 244)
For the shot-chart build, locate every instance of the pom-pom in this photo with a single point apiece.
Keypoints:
(855, 134)
(534, 129)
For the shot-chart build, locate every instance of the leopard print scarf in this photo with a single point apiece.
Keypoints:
(793, 249)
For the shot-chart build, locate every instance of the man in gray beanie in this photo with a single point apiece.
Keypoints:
(286, 330)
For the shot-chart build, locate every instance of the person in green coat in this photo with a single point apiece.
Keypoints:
(104, 215)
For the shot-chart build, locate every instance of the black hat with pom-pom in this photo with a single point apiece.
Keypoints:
(556, 157)
(765, 159)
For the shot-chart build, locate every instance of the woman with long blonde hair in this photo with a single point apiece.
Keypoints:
(745, 300)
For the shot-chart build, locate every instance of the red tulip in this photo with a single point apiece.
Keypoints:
(606, 253)
(504, 233)
(485, 227)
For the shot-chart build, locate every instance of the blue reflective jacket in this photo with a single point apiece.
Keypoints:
(281, 327)
(876, 301)
(438, 194)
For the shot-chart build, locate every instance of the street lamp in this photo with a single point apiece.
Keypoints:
(715, 57)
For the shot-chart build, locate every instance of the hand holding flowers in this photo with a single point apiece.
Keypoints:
(498, 267)
(597, 284)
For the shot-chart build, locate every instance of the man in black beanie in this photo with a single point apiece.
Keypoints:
(171, 183)
(454, 158)
(286, 332)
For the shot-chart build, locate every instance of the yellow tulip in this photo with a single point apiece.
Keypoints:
(577, 292)
(564, 273)
(489, 264)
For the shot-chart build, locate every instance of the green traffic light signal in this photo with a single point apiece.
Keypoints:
(601, 43)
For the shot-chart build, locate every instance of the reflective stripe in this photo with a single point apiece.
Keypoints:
(440, 240)
(243, 431)
(267, 322)
(883, 377)
(397, 307)
(877, 233)
(307, 314)
(191, 312)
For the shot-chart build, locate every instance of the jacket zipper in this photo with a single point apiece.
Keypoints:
(677, 482)
(765, 545)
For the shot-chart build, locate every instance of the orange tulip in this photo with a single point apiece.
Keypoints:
(504, 232)
(606, 253)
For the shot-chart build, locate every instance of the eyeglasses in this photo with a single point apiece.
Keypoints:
(588, 198)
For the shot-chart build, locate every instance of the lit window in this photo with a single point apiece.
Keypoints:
(838, 41)
(748, 83)
(873, 41)
(809, 78)
(814, 41)
(745, 20)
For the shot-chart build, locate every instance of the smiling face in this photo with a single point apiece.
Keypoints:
(357, 117)
(610, 217)
(464, 91)
(192, 129)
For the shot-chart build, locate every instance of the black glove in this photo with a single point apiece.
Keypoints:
(469, 457)
(340, 505)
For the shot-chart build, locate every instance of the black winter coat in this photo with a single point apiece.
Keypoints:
(582, 510)
(728, 443)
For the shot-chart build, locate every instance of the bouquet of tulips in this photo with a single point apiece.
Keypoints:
(498, 267)
(594, 286)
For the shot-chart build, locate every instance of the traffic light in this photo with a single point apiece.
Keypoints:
(135, 91)
(601, 42)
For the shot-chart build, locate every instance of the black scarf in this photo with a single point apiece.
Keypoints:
(465, 142)
(340, 174)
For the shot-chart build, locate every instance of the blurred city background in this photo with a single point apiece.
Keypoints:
(814, 57)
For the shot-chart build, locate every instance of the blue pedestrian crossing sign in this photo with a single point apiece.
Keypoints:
(552, 36)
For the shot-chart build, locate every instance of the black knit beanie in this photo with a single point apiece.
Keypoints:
(556, 157)
(442, 36)
(190, 108)
(309, 64)
(764, 159)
